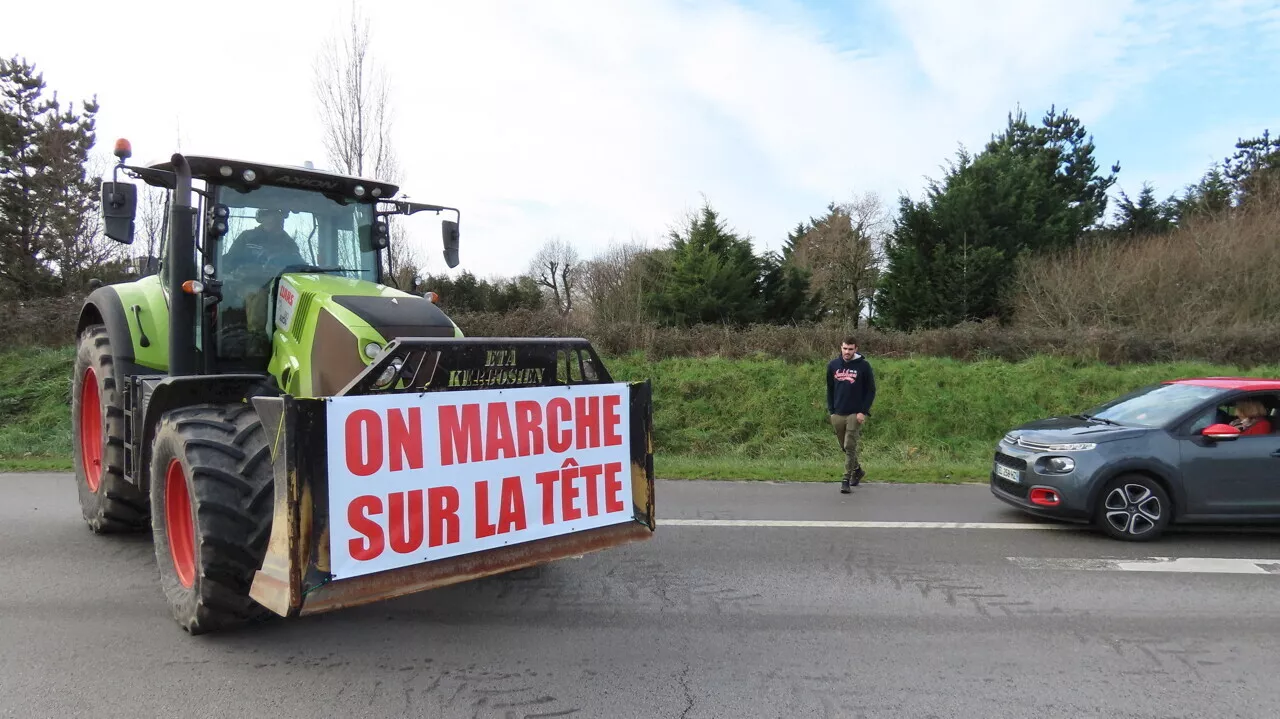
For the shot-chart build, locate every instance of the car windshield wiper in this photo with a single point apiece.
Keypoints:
(1095, 418)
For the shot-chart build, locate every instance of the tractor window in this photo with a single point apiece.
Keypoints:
(271, 231)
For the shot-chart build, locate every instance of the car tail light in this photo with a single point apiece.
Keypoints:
(1045, 497)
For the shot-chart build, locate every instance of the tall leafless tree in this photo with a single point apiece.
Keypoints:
(612, 283)
(354, 95)
(844, 251)
(555, 267)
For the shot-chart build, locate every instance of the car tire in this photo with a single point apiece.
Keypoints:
(1133, 508)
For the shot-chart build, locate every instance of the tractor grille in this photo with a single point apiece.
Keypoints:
(299, 329)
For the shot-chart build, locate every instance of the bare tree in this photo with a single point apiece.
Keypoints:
(354, 95)
(612, 283)
(844, 251)
(151, 225)
(555, 267)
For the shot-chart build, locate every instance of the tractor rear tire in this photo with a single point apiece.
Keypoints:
(108, 502)
(212, 496)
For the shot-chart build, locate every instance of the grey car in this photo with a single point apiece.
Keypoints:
(1163, 454)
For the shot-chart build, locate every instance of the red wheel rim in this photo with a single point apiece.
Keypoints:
(91, 430)
(178, 524)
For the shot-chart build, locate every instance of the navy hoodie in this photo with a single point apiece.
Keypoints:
(851, 386)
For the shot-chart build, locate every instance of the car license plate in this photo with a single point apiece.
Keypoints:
(1008, 473)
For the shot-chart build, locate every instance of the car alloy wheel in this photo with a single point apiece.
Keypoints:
(1134, 507)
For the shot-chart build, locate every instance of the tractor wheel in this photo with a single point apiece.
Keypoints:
(108, 502)
(212, 495)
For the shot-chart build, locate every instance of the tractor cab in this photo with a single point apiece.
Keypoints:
(271, 231)
(254, 224)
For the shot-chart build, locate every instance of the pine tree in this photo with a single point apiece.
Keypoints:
(1146, 216)
(47, 204)
(711, 275)
(951, 256)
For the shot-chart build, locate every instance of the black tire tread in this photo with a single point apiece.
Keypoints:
(220, 446)
(117, 506)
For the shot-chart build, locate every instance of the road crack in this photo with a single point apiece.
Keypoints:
(688, 691)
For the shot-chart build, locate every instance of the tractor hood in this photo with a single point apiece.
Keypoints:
(330, 328)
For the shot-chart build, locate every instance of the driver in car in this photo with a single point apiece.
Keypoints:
(1251, 418)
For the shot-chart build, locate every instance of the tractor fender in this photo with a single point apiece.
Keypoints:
(173, 393)
(104, 306)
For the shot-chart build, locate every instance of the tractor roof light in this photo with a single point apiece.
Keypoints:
(433, 297)
(225, 171)
(124, 150)
(359, 190)
(249, 175)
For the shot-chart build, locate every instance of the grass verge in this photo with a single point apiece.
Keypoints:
(935, 420)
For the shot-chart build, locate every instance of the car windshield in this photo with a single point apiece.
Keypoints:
(275, 229)
(1154, 406)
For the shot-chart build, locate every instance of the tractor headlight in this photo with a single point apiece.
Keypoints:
(389, 374)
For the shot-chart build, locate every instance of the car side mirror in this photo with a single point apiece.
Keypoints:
(119, 206)
(1221, 432)
(449, 229)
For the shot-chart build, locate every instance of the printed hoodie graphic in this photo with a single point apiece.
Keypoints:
(851, 386)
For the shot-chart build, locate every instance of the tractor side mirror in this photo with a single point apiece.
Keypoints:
(449, 229)
(119, 206)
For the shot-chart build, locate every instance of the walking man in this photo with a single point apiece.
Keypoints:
(851, 388)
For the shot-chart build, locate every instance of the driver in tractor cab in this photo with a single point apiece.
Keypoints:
(254, 259)
(267, 245)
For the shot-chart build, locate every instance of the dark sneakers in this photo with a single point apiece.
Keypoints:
(846, 483)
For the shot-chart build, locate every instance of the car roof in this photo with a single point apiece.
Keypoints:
(1239, 383)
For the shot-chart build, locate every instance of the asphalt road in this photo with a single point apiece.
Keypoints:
(709, 619)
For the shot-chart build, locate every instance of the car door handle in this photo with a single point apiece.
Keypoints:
(1276, 453)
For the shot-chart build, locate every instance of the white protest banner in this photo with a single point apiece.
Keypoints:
(419, 477)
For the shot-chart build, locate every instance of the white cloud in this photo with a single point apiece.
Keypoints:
(601, 120)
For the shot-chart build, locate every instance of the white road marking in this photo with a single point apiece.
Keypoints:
(1197, 565)
(850, 524)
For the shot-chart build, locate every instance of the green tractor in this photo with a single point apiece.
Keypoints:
(234, 403)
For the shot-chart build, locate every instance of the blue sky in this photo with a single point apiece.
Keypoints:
(602, 121)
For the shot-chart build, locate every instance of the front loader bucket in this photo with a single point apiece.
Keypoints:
(432, 482)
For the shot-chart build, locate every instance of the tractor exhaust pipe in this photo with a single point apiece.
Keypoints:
(184, 307)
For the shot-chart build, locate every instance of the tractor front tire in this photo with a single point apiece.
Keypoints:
(212, 496)
(108, 502)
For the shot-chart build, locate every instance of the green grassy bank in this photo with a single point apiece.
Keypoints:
(935, 420)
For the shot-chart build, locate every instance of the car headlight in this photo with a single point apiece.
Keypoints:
(1078, 447)
(1059, 465)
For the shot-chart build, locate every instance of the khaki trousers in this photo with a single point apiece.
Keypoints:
(848, 431)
